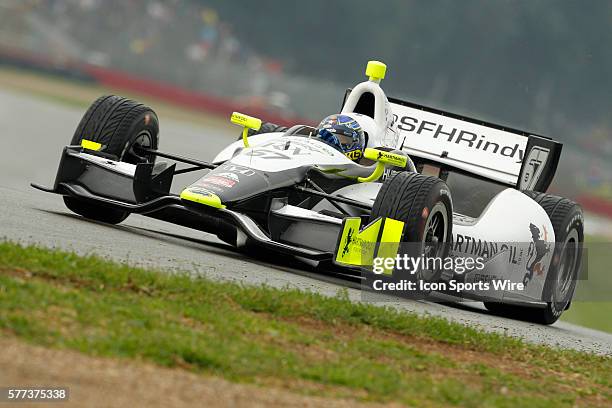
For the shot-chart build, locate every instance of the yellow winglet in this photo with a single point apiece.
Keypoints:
(248, 122)
(382, 158)
(200, 196)
(359, 246)
(356, 245)
(89, 145)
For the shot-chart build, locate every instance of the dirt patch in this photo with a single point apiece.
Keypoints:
(101, 382)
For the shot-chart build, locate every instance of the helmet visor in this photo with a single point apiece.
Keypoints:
(345, 140)
(339, 139)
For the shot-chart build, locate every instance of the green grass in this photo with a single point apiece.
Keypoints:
(592, 306)
(596, 315)
(301, 341)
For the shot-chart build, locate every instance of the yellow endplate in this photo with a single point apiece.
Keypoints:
(89, 145)
(376, 70)
(386, 157)
(359, 247)
(246, 121)
(200, 196)
(390, 241)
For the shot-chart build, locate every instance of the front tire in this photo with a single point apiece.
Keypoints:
(425, 206)
(568, 224)
(120, 125)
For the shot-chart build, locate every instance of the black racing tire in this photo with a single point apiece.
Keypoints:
(119, 125)
(568, 224)
(425, 206)
(266, 127)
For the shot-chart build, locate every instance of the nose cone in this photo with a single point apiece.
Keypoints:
(202, 196)
(226, 184)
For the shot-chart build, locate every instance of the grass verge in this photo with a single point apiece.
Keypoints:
(592, 305)
(297, 340)
(595, 315)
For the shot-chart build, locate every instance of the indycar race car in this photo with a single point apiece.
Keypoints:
(427, 183)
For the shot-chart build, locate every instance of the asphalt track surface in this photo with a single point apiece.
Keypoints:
(33, 132)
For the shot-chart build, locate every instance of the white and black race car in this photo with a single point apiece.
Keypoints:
(430, 183)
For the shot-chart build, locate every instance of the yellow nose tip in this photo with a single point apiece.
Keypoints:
(376, 70)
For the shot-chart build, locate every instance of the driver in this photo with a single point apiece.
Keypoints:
(343, 133)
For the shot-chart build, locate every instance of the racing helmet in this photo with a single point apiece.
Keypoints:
(343, 133)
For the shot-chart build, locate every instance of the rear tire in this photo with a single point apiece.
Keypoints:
(425, 206)
(119, 125)
(568, 223)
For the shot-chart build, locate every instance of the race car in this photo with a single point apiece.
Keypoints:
(416, 182)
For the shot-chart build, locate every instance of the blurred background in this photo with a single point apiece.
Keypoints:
(539, 65)
(543, 66)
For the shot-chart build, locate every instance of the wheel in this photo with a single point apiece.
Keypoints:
(266, 127)
(424, 204)
(119, 125)
(568, 224)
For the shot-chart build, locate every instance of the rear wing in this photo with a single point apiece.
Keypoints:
(510, 156)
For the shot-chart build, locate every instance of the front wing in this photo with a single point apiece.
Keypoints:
(139, 189)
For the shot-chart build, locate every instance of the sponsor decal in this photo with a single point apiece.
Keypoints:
(391, 158)
(356, 243)
(381, 156)
(219, 181)
(458, 136)
(349, 241)
(229, 176)
(234, 168)
(212, 187)
(485, 249)
(354, 155)
(358, 246)
(537, 250)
